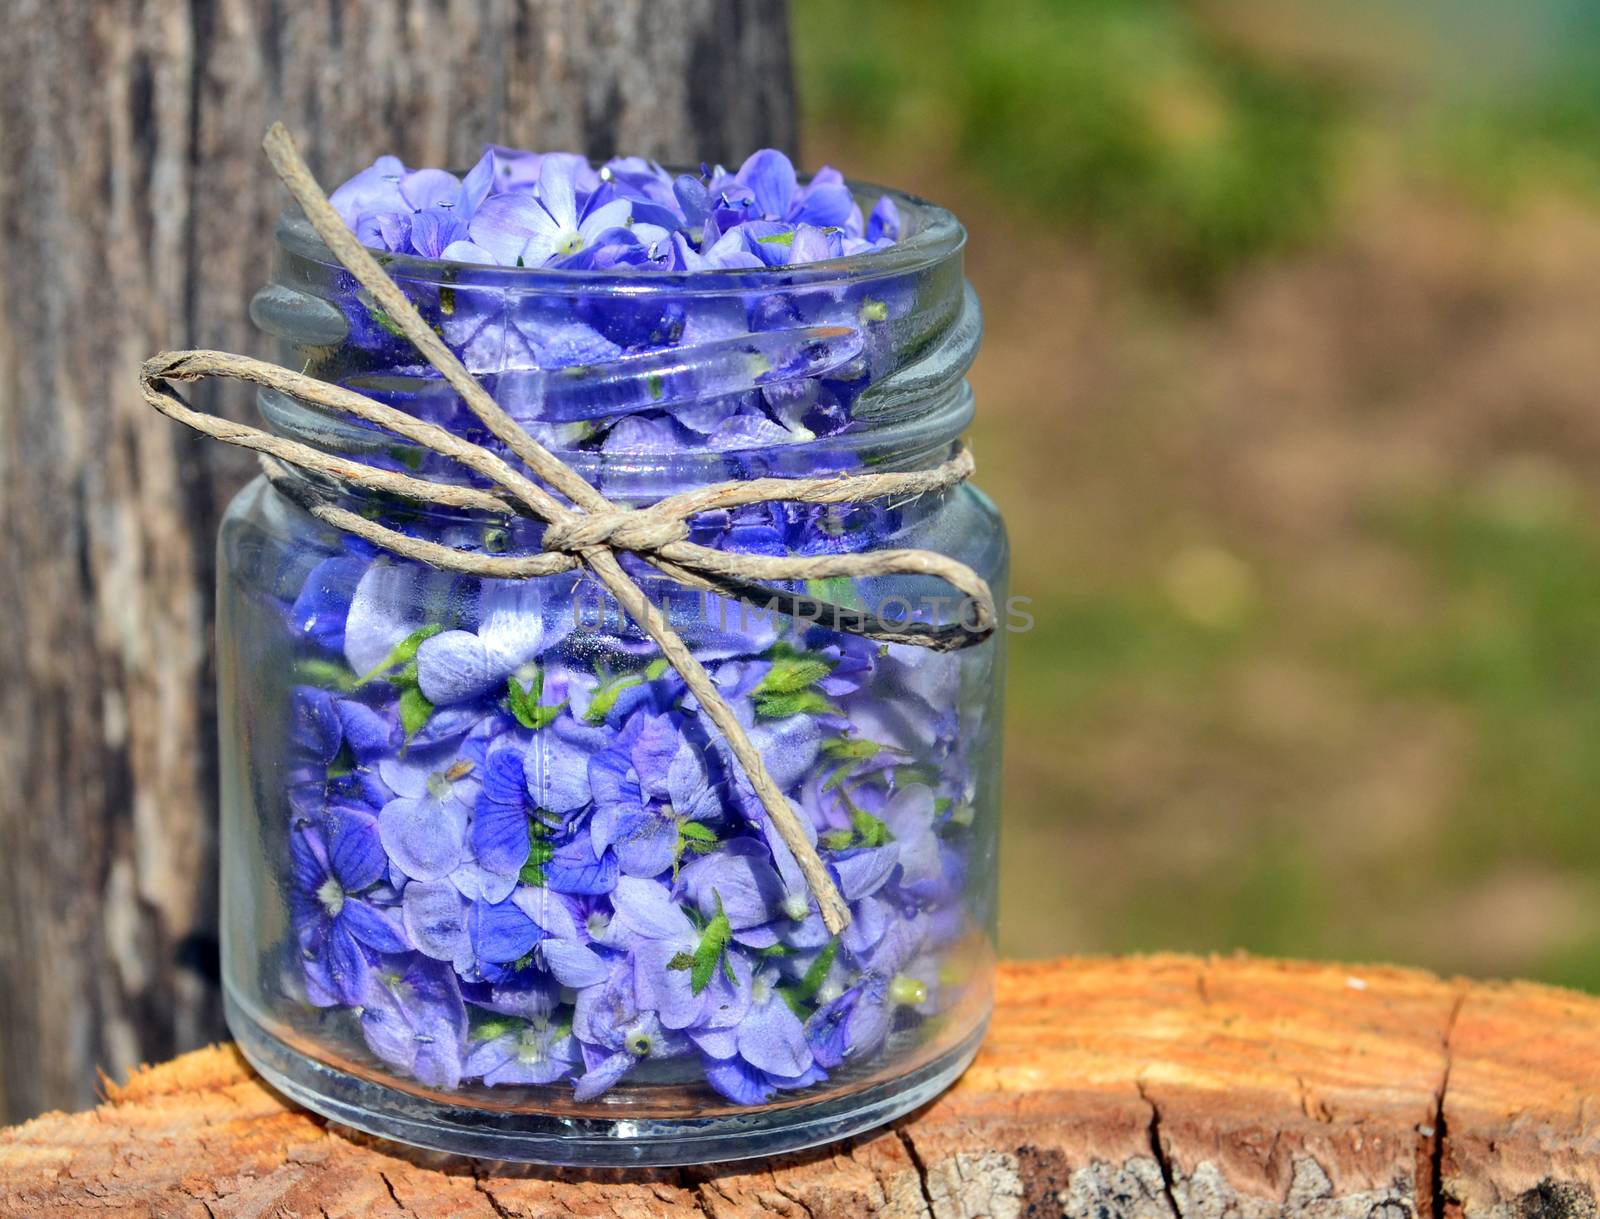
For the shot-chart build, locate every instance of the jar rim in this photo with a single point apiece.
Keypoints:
(933, 235)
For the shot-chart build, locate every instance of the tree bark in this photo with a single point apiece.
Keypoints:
(137, 212)
(1152, 1088)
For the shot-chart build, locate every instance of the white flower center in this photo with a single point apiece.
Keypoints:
(640, 1043)
(331, 895)
(761, 991)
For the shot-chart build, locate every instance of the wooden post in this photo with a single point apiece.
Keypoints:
(137, 212)
(1146, 1088)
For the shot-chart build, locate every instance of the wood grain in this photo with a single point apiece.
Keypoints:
(136, 211)
(1141, 1088)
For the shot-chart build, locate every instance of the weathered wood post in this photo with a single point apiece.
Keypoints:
(137, 214)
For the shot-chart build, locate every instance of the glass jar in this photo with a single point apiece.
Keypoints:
(491, 884)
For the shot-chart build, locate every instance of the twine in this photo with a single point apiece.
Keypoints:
(590, 532)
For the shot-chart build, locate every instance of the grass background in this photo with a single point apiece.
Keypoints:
(1291, 395)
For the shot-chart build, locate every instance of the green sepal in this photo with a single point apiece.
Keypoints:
(494, 1026)
(326, 674)
(540, 852)
(403, 654)
(415, 711)
(606, 697)
(525, 705)
(837, 840)
(715, 938)
(870, 830)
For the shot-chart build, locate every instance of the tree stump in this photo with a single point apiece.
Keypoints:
(1141, 1088)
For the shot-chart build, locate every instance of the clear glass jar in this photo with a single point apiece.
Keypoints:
(489, 886)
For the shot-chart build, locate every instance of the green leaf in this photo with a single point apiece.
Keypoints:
(792, 671)
(656, 669)
(682, 960)
(327, 674)
(606, 697)
(525, 705)
(840, 590)
(777, 238)
(694, 838)
(871, 831)
(655, 384)
(408, 455)
(403, 654)
(494, 1026)
(539, 854)
(384, 320)
(837, 840)
(814, 977)
(851, 748)
(782, 706)
(800, 996)
(415, 711)
(716, 937)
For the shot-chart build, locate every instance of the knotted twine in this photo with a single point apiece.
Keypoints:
(589, 533)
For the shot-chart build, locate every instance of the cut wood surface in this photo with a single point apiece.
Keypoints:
(1142, 1087)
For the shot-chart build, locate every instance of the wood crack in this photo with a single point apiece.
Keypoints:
(1439, 1201)
(482, 1186)
(915, 1157)
(1163, 1163)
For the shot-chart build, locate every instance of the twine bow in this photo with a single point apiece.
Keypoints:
(592, 530)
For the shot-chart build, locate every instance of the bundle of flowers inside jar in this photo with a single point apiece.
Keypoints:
(506, 872)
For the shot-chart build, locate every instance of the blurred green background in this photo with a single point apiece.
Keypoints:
(1291, 396)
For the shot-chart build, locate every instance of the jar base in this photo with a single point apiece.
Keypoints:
(534, 1138)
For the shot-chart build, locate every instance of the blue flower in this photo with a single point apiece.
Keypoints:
(413, 1018)
(530, 229)
(538, 1050)
(851, 1025)
(333, 863)
(629, 782)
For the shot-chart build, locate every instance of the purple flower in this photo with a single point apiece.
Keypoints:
(853, 1024)
(539, 1050)
(776, 194)
(629, 782)
(453, 666)
(332, 864)
(413, 1018)
(424, 828)
(320, 609)
(529, 230)
(616, 1034)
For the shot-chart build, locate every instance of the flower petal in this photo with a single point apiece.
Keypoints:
(501, 933)
(500, 833)
(454, 666)
(355, 852)
(371, 928)
(773, 1039)
(436, 919)
(573, 964)
(424, 837)
(604, 1077)
(771, 179)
